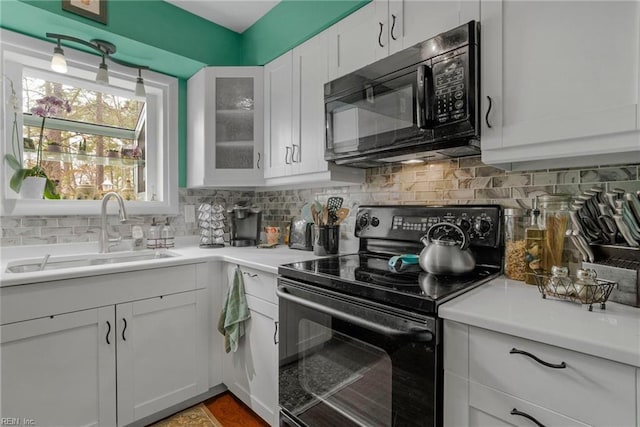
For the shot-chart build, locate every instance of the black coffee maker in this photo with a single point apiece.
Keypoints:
(245, 223)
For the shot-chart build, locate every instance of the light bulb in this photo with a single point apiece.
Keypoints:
(103, 74)
(58, 62)
(140, 91)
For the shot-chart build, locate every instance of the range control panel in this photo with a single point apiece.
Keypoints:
(409, 223)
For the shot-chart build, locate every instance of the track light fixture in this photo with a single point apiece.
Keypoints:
(106, 49)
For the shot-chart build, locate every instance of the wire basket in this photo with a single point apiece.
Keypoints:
(565, 288)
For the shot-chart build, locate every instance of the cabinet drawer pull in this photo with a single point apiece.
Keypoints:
(258, 161)
(108, 332)
(275, 334)
(561, 365)
(380, 35)
(124, 329)
(249, 274)
(514, 411)
(486, 117)
(294, 158)
(393, 26)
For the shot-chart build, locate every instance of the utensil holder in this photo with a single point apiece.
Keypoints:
(326, 239)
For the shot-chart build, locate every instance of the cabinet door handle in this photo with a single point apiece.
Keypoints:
(250, 274)
(258, 161)
(108, 332)
(275, 334)
(124, 329)
(286, 155)
(393, 26)
(514, 411)
(380, 35)
(294, 158)
(486, 117)
(561, 365)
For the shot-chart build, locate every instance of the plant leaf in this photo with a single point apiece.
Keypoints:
(16, 180)
(13, 162)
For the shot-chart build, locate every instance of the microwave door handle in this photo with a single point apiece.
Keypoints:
(416, 335)
(421, 97)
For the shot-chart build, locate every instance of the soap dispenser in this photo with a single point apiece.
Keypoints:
(166, 234)
(153, 236)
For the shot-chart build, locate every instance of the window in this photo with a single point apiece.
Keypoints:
(110, 141)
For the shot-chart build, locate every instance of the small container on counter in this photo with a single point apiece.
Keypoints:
(554, 218)
(534, 246)
(516, 222)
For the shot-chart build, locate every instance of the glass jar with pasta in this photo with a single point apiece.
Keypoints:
(515, 223)
(554, 218)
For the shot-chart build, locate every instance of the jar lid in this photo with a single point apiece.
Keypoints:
(556, 197)
(516, 212)
(586, 273)
(558, 270)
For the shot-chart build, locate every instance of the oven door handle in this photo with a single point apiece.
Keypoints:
(415, 334)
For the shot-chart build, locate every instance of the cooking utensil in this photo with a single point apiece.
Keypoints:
(306, 213)
(325, 215)
(447, 254)
(577, 223)
(583, 254)
(333, 204)
(634, 205)
(341, 215)
(624, 230)
(314, 214)
(585, 245)
(608, 229)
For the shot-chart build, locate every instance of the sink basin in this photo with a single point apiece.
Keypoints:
(72, 261)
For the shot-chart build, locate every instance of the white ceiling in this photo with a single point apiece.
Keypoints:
(236, 15)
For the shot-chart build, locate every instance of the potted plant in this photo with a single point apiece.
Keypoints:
(48, 106)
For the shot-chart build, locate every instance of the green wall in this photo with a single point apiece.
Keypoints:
(290, 23)
(172, 41)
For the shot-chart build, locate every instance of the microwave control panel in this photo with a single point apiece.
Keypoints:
(450, 90)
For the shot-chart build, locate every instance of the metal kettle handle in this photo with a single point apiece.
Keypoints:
(426, 239)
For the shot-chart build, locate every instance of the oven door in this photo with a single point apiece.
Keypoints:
(347, 362)
(377, 116)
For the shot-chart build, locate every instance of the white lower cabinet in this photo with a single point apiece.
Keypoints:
(162, 353)
(494, 379)
(109, 365)
(60, 370)
(251, 373)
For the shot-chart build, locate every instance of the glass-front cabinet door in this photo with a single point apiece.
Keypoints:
(225, 127)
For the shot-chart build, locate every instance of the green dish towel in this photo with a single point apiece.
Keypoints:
(234, 313)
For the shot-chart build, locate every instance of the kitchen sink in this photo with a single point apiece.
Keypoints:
(86, 260)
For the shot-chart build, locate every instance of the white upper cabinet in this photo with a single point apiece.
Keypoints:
(224, 127)
(383, 27)
(280, 157)
(413, 21)
(295, 119)
(562, 78)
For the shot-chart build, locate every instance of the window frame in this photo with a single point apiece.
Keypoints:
(18, 52)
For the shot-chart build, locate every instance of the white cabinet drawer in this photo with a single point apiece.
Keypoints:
(491, 408)
(589, 389)
(25, 302)
(256, 282)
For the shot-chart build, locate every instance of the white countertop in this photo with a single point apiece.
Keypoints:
(514, 308)
(266, 260)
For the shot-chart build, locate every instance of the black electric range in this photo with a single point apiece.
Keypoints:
(361, 344)
(386, 231)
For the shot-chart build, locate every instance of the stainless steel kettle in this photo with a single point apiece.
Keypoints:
(445, 250)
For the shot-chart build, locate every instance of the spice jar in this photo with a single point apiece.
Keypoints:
(515, 223)
(554, 218)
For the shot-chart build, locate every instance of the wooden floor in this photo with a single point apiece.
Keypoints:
(231, 412)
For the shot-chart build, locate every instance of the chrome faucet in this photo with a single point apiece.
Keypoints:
(105, 240)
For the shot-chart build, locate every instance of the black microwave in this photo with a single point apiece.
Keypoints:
(419, 103)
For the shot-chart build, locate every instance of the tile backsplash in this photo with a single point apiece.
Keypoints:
(454, 181)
